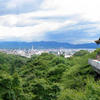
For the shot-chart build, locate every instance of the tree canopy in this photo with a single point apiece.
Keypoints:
(49, 77)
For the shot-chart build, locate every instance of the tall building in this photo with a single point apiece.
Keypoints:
(32, 47)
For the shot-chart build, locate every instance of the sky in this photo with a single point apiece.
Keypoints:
(72, 21)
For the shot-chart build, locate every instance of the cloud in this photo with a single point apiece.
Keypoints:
(87, 9)
(18, 6)
(24, 27)
(80, 41)
(66, 19)
(18, 3)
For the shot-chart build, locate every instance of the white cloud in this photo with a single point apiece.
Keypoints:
(31, 26)
(80, 41)
(27, 26)
(87, 9)
(20, 33)
(28, 32)
(17, 3)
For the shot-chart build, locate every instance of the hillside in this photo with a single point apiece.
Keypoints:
(45, 45)
(48, 77)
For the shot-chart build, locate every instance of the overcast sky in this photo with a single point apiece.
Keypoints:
(74, 21)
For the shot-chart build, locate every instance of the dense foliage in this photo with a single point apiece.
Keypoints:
(48, 77)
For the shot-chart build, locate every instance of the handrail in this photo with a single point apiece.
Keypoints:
(95, 64)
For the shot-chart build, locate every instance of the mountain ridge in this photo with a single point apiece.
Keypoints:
(45, 45)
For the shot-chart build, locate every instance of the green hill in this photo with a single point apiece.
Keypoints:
(48, 77)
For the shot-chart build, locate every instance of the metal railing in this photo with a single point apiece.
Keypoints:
(95, 64)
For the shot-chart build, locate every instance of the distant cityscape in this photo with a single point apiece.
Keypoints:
(29, 52)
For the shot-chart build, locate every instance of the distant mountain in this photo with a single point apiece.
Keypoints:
(45, 45)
